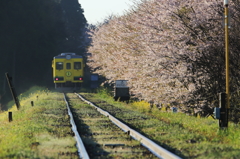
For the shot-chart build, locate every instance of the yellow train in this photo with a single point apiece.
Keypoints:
(68, 71)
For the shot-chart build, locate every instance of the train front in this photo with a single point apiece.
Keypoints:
(68, 72)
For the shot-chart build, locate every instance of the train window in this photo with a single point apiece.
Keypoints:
(68, 66)
(59, 65)
(77, 65)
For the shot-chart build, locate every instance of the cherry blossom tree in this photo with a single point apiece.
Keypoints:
(172, 52)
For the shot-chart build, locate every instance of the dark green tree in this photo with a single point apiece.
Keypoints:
(32, 32)
(75, 24)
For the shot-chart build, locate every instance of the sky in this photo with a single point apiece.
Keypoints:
(97, 10)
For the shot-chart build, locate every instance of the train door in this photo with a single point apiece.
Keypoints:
(68, 71)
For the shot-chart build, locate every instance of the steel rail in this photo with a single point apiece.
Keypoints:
(81, 148)
(149, 144)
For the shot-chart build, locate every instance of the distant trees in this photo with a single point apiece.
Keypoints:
(32, 32)
(75, 24)
(29, 34)
(172, 52)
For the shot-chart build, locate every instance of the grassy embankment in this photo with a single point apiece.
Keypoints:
(39, 131)
(43, 131)
(188, 136)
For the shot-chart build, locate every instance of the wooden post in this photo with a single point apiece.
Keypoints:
(9, 116)
(14, 94)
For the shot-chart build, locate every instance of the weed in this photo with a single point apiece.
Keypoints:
(189, 136)
(39, 131)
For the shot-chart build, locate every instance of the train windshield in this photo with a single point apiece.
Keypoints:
(59, 65)
(68, 66)
(77, 65)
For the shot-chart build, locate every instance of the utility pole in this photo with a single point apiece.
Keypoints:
(226, 22)
(222, 111)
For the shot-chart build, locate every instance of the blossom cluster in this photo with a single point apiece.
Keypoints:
(171, 52)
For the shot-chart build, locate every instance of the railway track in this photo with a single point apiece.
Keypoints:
(104, 136)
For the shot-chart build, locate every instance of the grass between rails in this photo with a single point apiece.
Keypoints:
(41, 131)
(96, 131)
(187, 136)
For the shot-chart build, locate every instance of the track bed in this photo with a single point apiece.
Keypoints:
(102, 138)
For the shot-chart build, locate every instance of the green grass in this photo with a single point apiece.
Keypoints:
(97, 129)
(41, 131)
(187, 136)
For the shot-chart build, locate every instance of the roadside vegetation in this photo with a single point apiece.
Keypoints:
(43, 130)
(39, 131)
(185, 135)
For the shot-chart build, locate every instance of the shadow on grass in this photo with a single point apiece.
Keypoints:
(93, 149)
(114, 111)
